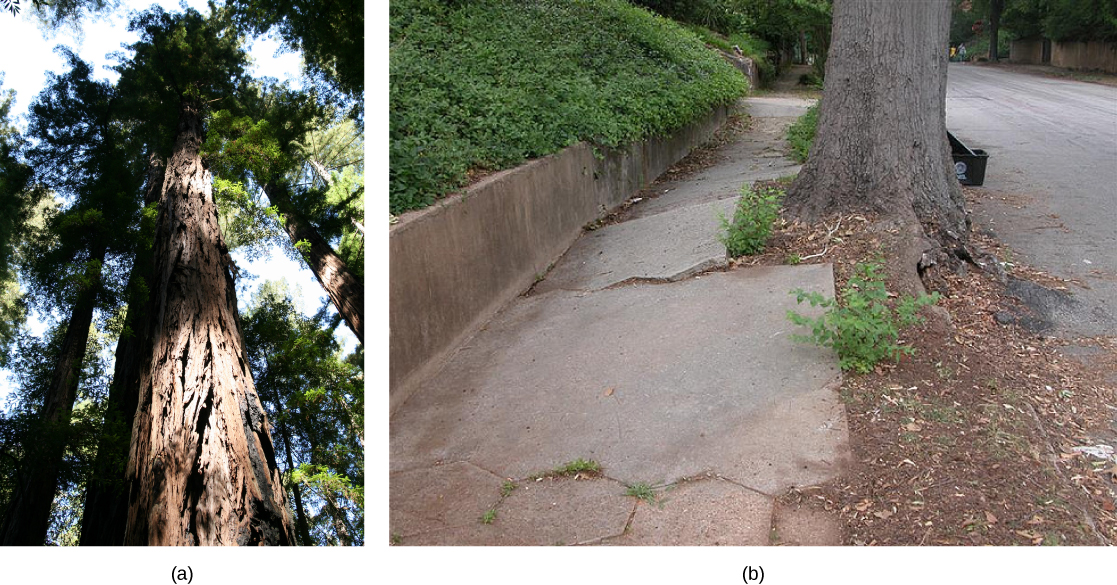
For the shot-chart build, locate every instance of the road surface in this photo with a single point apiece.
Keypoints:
(1050, 189)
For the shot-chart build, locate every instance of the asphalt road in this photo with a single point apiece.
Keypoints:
(1050, 190)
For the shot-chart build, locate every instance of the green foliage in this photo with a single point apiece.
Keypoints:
(489, 84)
(329, 35)
(800, 135)
(756, 212)
(864, 327)
(488, 516)
(642, 491)
(577, 466)
(314, 397)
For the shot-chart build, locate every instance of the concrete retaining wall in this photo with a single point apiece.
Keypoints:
(1027, 51)
(1094, 55)
(454, 264)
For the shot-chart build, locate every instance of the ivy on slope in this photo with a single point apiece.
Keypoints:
(487, 84)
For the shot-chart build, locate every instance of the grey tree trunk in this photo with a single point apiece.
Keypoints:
(345, 290)
(105, 515)
(881, 144)
(28, 516)
(201, 467)
(995, 9)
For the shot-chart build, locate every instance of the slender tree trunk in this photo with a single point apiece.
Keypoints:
(301, 525)
(28, 517)
(995, 8)
(345, 290)
(106, 497)
(881, 144)
(201, 467)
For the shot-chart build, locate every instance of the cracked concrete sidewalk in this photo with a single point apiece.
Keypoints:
(682, 382)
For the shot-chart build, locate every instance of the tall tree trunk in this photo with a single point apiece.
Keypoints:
(106, 496)
(995, 9)
(28, 517)
(201, 467)
(881, 144)
(346, 291)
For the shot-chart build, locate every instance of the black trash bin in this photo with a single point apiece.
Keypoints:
(969, 165)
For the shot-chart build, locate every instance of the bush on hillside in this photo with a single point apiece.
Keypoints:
(487, 84)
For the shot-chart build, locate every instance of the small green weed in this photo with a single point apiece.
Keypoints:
(756, 211)
(642, 491)
(792, 259)
(488, 516)
(506, 488)
(396, 539)
(578, 466)
(864, 328)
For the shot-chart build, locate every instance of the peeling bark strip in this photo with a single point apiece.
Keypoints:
(28, 516)
(201, 467)
(106, 496)
(346, 291)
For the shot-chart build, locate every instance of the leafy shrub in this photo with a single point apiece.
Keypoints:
(864, 327)
(800, 135)
(485, 85)
(756, 211)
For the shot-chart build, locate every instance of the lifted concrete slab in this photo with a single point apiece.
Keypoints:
(654, 382)
(665, 247)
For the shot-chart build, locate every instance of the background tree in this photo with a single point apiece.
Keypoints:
(330, 35)
(262, 149)
(81, 154)
(202, 462)
(881, 145)
(315, 397)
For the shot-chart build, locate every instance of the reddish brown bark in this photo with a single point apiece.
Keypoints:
(345, 290)
(28, 516)
(201, 467)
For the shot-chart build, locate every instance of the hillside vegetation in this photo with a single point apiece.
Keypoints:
(488, 84)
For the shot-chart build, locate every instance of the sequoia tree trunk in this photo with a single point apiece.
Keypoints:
(28, 517)
(106, 496)
(201, 467)
(345, 290)
(881, 143)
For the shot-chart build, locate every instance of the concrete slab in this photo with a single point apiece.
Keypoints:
(757, 155)
(654, 382)
(664, 247)
(549, 512)
(778, 106)
(439, 496)
(711, 512)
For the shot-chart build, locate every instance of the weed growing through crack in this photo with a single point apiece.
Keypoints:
(864, 327)
(642, 491)
(756, 212)
(396, 539)
(506, 488)
(578, 467)
(488, 516)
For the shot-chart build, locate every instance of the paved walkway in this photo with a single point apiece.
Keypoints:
(680, 382)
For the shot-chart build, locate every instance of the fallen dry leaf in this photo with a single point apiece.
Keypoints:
(990, 518)
(609, 391)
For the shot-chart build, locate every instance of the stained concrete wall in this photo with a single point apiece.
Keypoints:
(454, 264)
(1028, 51)
(1094, 55)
